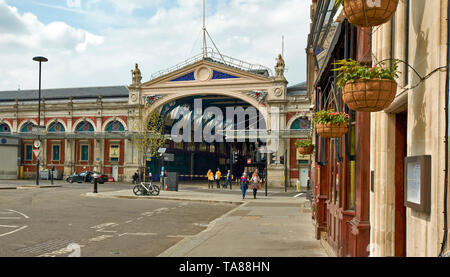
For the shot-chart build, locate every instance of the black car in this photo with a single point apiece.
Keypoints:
(87, 176)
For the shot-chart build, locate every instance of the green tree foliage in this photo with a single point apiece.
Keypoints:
(148, 134)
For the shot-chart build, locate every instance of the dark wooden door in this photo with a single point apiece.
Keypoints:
(400, 210)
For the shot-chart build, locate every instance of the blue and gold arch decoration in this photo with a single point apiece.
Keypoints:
(217, 75)
(115, 126)
(187, 77)
(84, 126)
(56, 127)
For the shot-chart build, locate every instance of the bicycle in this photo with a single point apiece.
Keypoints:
(146, 189)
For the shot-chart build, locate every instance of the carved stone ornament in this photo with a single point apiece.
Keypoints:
(278, 92)
(136, 76)
(279, 68)
(151, 99)
(134, 97)
(258, 95)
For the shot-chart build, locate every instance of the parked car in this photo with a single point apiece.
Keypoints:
(87, 176)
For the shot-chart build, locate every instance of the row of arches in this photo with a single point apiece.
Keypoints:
(57, 126)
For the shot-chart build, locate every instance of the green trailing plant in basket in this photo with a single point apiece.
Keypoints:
(351, 71)
(331, 117)
(304, 143)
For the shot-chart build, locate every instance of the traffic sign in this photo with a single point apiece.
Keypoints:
(37, 152)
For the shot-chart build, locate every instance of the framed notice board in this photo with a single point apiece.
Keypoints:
(418, 183)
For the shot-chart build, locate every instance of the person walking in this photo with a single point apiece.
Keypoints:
(210, 175)
(244, 184)
(218, 176)
(228, 180)
(136, 177)
(255, 183)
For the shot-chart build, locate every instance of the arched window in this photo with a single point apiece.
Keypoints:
(4, 128)
(27, 128)
(84, 126)
(56, 127)
(115, 126)
(302, 123)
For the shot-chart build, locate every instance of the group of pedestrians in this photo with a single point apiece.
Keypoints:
(255, 182)
(217, 177)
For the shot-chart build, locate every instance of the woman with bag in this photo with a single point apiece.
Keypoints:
(244, 184)
(255, 183)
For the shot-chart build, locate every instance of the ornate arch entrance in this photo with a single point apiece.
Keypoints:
(207, 77)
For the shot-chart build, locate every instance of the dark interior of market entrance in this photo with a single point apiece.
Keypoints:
(192, 160)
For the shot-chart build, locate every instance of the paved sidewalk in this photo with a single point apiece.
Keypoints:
(27, 184)
(266, 227)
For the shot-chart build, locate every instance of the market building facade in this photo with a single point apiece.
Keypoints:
(92, 128)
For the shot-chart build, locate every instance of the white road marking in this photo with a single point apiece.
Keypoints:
(138, 234)
(12, 232)
(300, 194)
(8, 226)
(9, 217)
(178, 236)
(129, 221)
(147, 213)
(160, 210)
(104, 225)
(24, 215)
(100, 238)
(59, 252)
(106, 231)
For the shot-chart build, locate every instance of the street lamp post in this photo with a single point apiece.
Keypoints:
(40, 60)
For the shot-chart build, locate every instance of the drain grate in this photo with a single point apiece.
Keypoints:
(45, 247)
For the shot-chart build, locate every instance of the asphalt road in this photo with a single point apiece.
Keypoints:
(61, 222)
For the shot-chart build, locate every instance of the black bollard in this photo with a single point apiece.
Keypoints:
(95, 185)
(53, 170)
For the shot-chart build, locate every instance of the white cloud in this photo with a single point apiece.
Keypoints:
(250, 30)
(73, 3)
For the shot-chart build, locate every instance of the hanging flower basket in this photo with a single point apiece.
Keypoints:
(367, 89)
(329, 130)
(304, 147)
(371, 95)
(330, 124)
(369, 13)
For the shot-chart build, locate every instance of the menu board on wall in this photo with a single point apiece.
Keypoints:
(413, 182)
(418, 183)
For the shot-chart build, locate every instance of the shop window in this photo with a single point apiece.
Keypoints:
(28, 152)
(56, 152)
(84, 153)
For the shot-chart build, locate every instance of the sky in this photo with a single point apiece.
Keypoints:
(97, 42)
